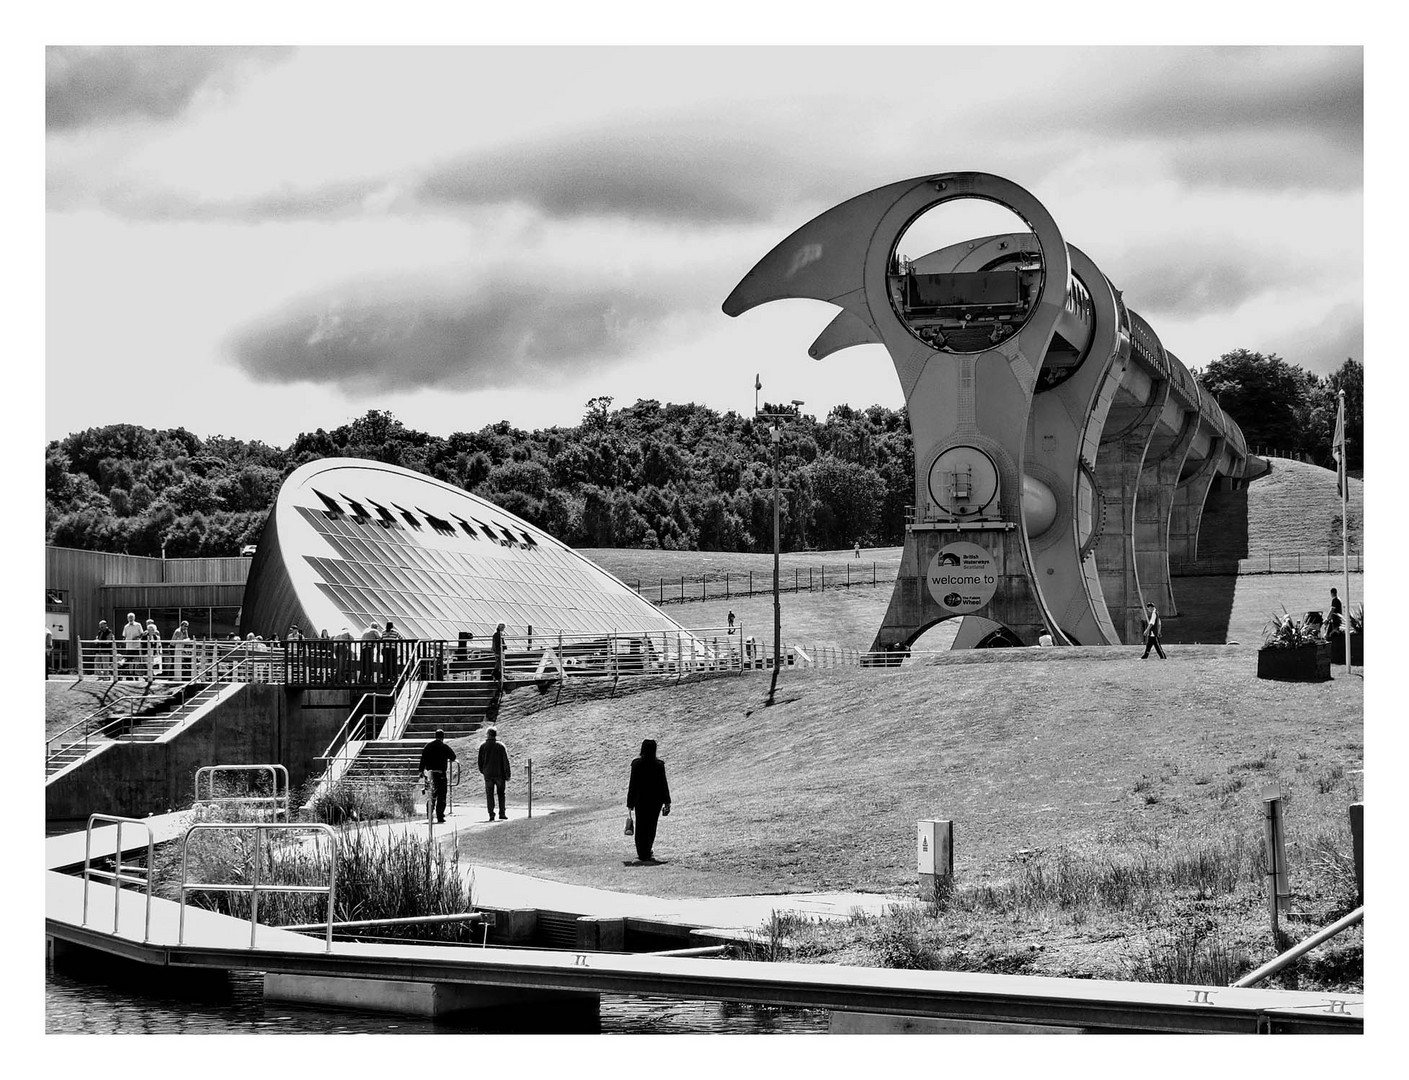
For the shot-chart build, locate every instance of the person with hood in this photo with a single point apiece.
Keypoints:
(494, 766)
(647, 798)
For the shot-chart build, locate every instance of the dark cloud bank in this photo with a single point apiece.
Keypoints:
(501, 335)
(85, 86)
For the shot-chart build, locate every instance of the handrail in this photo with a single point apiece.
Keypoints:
(1278, 963)
(254, 887)
(116, 874)
(280, 802)
(199, 676)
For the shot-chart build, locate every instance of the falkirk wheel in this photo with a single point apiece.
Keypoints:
(1062, 454)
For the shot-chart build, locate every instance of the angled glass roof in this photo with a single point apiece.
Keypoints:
(364, 542)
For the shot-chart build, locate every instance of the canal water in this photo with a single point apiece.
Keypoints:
(123, 1003)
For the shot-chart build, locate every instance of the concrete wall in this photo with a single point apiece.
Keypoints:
(258, 724)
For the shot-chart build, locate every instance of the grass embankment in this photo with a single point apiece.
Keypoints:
(1294, 507)
(1102, 804)
(68, 701)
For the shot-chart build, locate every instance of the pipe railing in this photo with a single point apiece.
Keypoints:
(199, 676)
(277, 803)
(255, 886)
(116, 875)
(1301, 948)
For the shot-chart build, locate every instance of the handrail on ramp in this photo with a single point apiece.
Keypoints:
(255, 886)
(116, 875)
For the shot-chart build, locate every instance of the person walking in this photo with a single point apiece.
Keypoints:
(1153, 629)
(494, 766)
(647, 798)
(436, 757)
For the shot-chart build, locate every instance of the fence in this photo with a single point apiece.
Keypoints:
(545, 656)
(760, 582)
(1271, 562)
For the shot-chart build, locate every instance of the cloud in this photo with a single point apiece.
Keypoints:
(1324, 346)
(1195, 282)
(408, 335)
(91, 86)
(672, 169)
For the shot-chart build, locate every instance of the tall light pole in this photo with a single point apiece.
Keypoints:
(776, 436)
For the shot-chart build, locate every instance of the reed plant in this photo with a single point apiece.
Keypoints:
(378, 877)
(368, 800)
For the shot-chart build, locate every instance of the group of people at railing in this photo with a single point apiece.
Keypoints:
(380, 655)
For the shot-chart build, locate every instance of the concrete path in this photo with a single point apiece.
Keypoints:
(495, 888)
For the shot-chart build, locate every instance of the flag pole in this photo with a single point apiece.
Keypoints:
(1345, 530)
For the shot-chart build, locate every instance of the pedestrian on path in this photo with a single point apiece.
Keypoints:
(494, 766)
(647, 797)
(436, 757)
(1153, 629)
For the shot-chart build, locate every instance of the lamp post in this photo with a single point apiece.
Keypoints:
(776, 436)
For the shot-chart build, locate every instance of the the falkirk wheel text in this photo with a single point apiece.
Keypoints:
(1062, 454)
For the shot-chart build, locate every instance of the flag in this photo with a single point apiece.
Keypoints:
(758, 385)
(1338, 446)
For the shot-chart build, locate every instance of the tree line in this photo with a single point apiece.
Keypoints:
(645, 475)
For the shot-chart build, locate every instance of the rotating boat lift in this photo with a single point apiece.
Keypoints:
(1061, 452)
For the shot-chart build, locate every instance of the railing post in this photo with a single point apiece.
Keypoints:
(254, 885)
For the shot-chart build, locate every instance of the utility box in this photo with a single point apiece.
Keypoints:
(934, 852)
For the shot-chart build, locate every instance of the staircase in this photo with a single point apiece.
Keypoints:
(152, 727)
(142, 721)
(459, 708)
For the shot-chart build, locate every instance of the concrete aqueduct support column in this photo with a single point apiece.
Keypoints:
(1159, 476)
(1186, 511)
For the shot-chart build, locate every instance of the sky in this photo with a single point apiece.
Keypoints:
(261, 241)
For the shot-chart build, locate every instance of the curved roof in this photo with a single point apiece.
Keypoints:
(352, 542)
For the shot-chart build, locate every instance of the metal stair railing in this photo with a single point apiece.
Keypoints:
(278, 804)
(116, 875)
(200, 676)
(406, 694)
(357, 732)
(255, 886)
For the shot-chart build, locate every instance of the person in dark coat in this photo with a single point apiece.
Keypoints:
(436, 757)
(494, 764)
(648, 796)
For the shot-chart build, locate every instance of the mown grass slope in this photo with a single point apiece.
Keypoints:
(1107, 810)
(1295, 508)
(1023, 749)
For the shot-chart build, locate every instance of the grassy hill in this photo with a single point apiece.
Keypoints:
(1294, 508)
(1070, 764)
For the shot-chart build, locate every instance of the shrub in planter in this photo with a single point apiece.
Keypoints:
(1293, 651)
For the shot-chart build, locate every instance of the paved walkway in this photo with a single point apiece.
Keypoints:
(495, 888)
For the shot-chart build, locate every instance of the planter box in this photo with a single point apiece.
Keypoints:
(1306, 663)
(1357, 649)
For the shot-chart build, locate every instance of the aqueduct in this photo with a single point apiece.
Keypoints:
(1062, 454)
